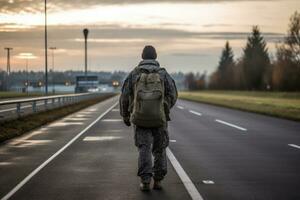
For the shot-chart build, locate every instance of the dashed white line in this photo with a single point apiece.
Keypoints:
(180, 107)
(39, 168)
(195, 113)
(208, 182)
(62, 124)
(172, 141)
(232, 125)
(112, 120)
(294, 145)
(101, 138)
(189, 185)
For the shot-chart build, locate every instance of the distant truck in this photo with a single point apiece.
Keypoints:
(86, 84)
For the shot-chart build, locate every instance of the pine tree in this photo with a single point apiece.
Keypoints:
(256, 61)
(225, 68)
(286, 73)
(226, 59)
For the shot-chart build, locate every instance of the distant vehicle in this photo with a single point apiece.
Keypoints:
(86, 84)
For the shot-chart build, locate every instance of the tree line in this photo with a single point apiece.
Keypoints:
(255, 70)
(18, 78)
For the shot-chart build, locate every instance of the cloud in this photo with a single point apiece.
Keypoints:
(189, 55)
(34, 6)
(115, 34)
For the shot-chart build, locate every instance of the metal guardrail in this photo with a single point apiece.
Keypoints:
(61, 100)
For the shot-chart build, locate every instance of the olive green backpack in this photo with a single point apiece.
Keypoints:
(148, 103)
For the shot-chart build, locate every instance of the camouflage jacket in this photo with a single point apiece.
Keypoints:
(127, 95)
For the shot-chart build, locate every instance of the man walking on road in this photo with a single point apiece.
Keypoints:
(147, 96)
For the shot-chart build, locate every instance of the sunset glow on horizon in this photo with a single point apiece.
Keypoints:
(189, 35)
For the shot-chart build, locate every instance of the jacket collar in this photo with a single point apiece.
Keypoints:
(149, 62)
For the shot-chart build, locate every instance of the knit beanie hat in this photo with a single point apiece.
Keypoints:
(149, 52)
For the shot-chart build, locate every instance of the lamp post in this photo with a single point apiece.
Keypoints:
(8, 49)
(53, 84)
(46, 51)
(27, 84)
(85, 33)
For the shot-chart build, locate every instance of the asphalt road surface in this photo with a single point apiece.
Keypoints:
(215, 153)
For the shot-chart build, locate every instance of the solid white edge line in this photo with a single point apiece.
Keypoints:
(39, 168)
(195, 113)
(294, 145)
(232, 125)
(189, 185)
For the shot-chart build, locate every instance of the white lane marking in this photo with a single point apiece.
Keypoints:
(101, 138)
(180, 107)
(294, 145)
(115, 110)
(26, 137)
(195, 113)
(172, 140)
(112, 120)
(30, 143)
(60, 124)
(208, 182)
(83, 115)
(189, 185)
(92, 110)
(232, 125)
(39, 168)
(76, 119)
(114, 131)
(5, 163)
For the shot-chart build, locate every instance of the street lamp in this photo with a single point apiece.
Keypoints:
(27, 84)
(8, 49)
(85, 33)
(53, 85)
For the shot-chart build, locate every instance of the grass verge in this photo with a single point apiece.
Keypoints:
(279, 104)
(17, 127)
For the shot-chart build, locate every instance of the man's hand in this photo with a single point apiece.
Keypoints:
(127, 121)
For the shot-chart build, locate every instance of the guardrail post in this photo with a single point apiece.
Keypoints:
(34, 106)
(46, 103)
(18, 109)
(60, 100)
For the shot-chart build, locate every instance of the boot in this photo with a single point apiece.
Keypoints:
(157, 185)
(145, 187)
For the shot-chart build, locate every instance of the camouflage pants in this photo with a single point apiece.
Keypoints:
(155, 141)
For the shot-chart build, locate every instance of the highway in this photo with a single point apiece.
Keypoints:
(215, 153)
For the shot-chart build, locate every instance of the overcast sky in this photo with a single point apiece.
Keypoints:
(188, 35)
